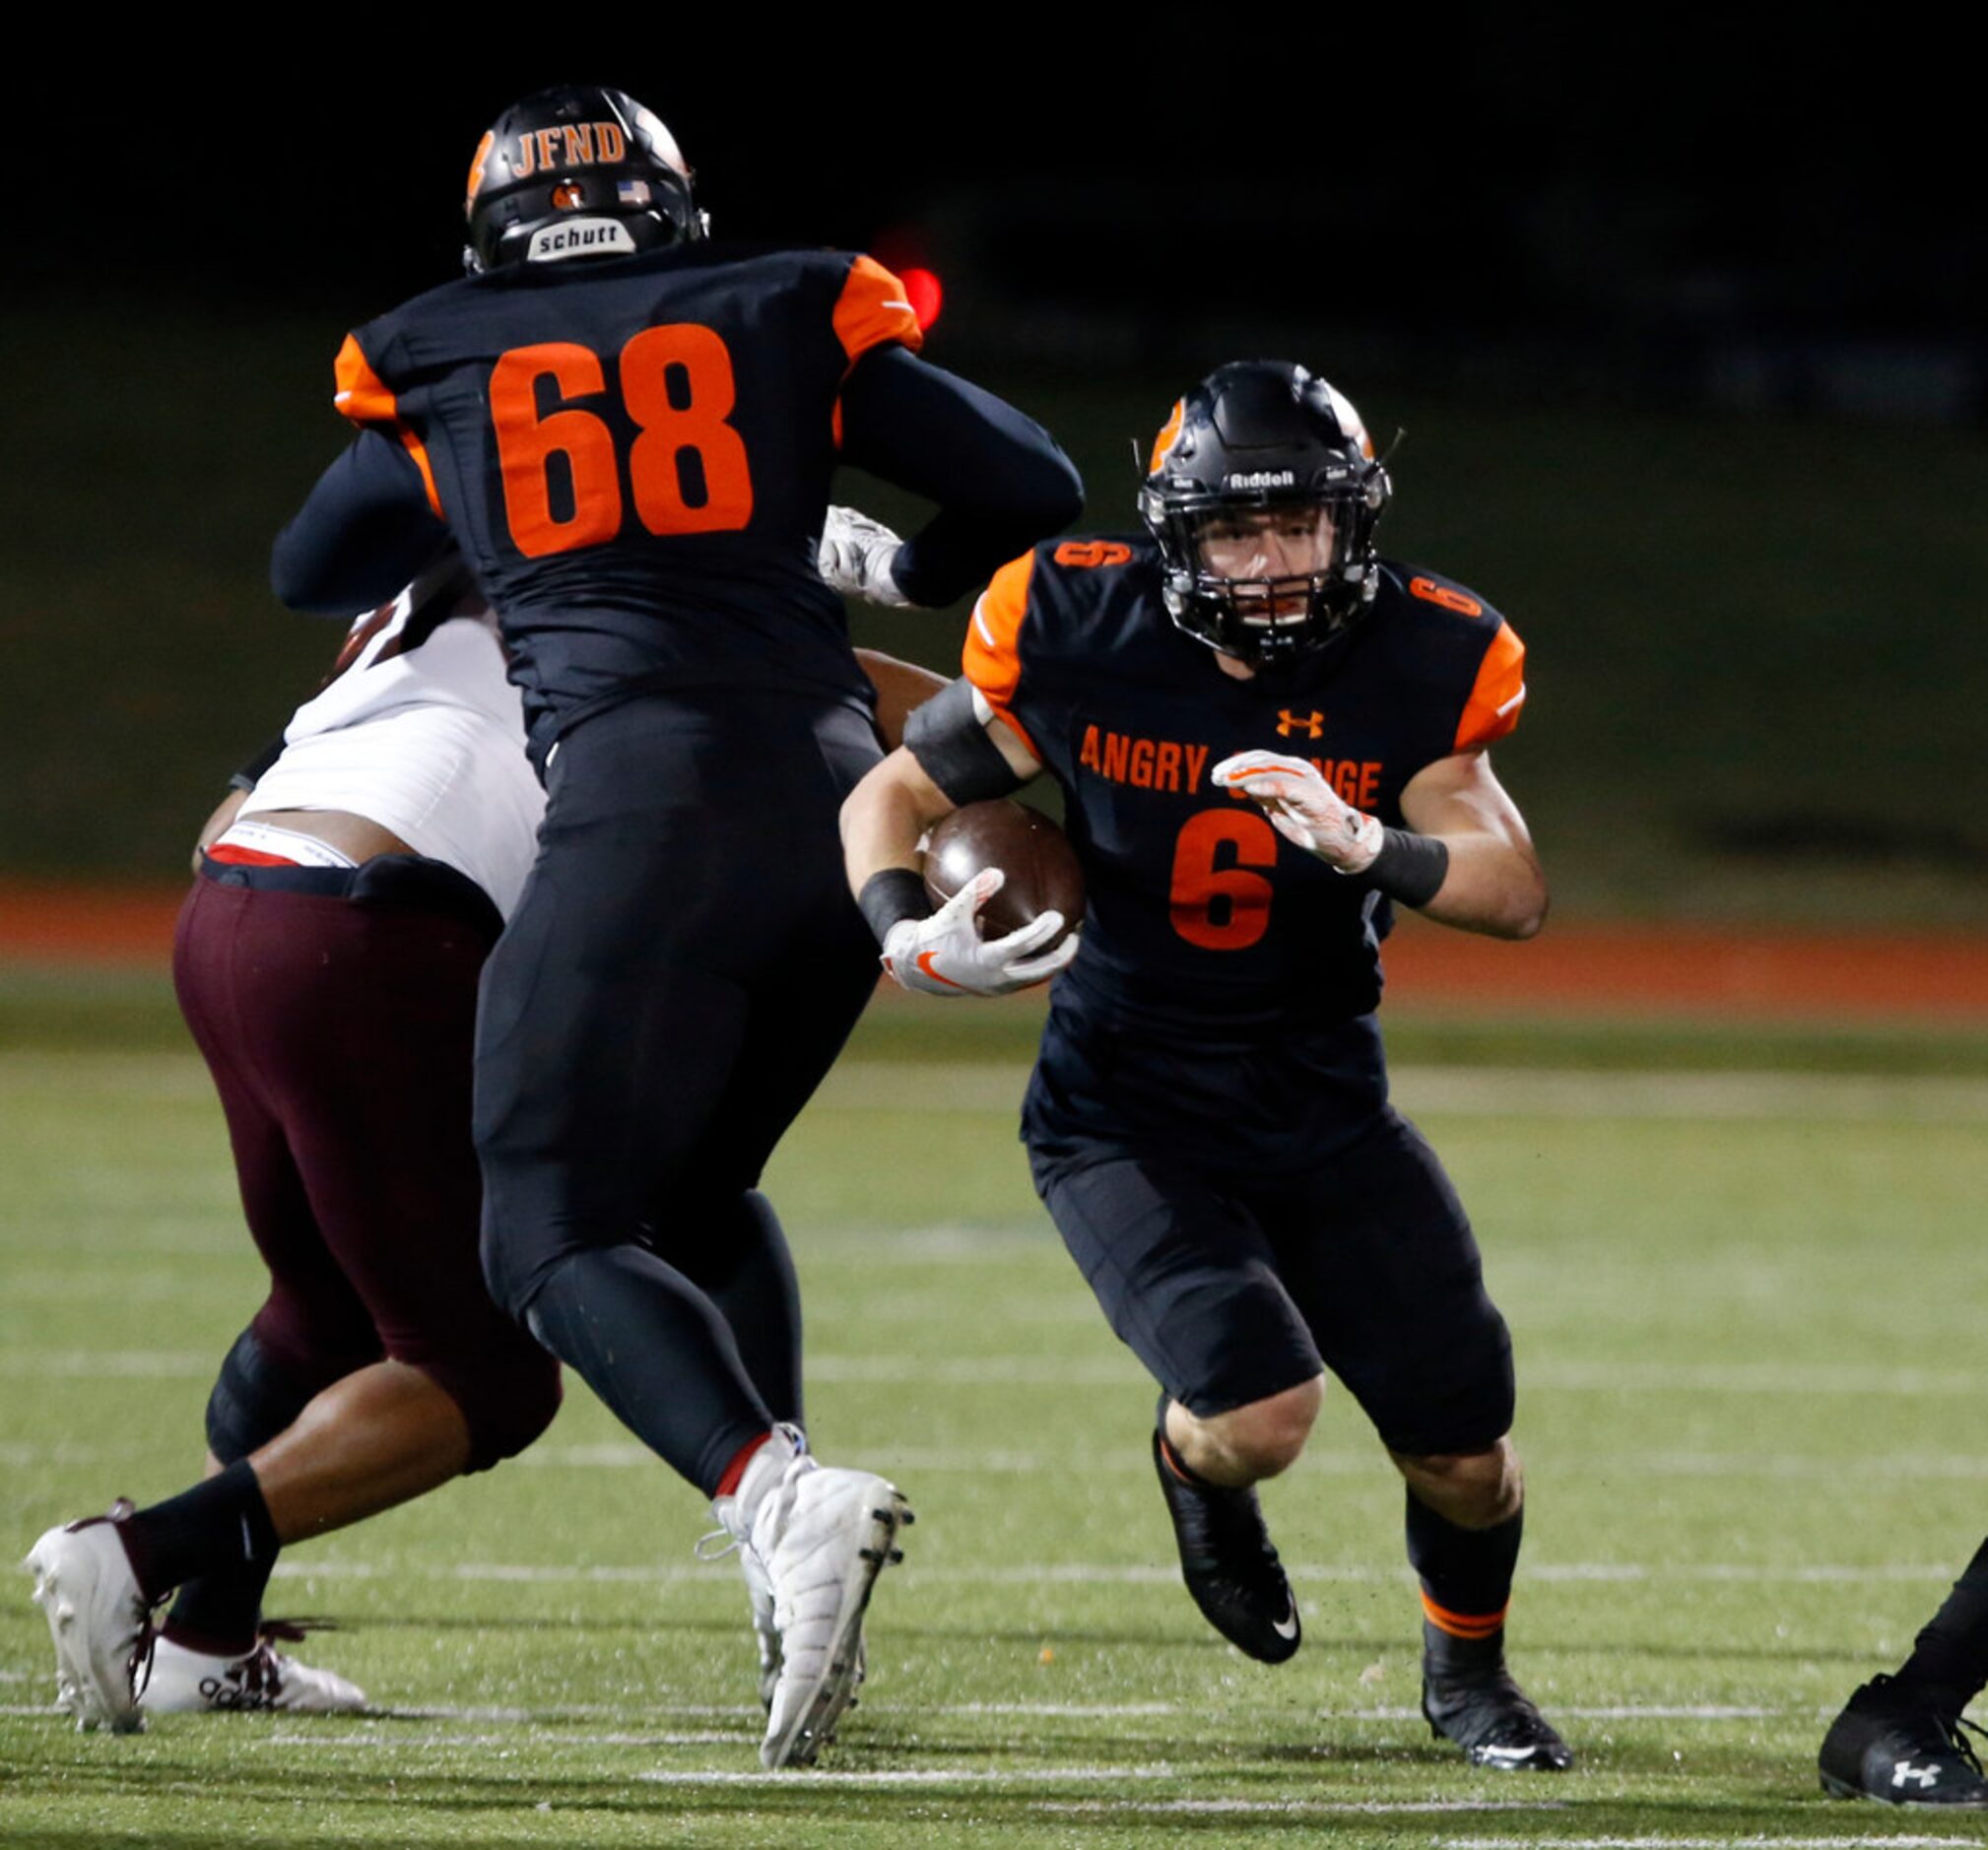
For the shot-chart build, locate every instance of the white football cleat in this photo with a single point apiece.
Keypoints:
(190, 1682)
(819, 1537)
(100, 1621)
(766, 1635)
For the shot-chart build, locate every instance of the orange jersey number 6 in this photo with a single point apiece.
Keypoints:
(686, 467)
(1223, 909)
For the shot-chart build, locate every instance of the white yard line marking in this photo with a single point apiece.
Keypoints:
(1051, 1373)
(1524, 1091)
(1756, 1842)
(1124, 1575)
(1788, 1466)
(1305, 1807)
(1857, 1380)
(1488, 1091)
(977, 1086)
(141, 1363)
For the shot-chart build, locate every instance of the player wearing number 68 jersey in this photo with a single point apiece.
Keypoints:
(630, 431)
(1267, 737)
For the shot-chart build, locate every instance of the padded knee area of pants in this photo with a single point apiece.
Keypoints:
(254, 1398)
(507, 1400)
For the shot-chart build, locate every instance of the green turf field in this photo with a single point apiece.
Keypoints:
(1747, 1316)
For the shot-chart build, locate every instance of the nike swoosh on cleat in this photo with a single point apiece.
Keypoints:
(1286, 1627)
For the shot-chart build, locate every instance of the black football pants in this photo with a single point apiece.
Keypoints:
(682, 969)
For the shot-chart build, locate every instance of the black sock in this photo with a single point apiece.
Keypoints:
(220, 1611)
(1949, 1663)
(253, 1400)
(220, 1524)
(658, 1351)
(1465, 1585)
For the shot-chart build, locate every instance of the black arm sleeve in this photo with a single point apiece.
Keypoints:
(950, 743)
(365, 532)
(1000, 481)
(257, 768)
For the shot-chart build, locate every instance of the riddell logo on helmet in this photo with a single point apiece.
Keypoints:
(580, 145)
(578, 237)
(1263, 478)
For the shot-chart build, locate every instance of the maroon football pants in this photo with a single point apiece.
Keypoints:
(339, 1033)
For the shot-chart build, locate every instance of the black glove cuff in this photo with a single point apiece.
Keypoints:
(895, 893)
(1410, 868)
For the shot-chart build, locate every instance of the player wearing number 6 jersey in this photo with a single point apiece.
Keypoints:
(631, 434)
(1266, 737)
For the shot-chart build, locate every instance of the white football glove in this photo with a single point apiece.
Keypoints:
(1303, 808)
(855, 558)
(945, 956)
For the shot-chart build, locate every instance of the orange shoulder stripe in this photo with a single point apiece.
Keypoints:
(872, 309)
(362, 394)
(992, 656)
(416, 448)
(364, 397)
(1499, 692)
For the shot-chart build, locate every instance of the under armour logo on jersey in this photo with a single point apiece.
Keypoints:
(1311, 724)
(1924, 1775)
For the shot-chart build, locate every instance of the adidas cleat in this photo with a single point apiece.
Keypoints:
(185, 1683)
(100, 1621)
(1228, 1563)
(1892, 1747)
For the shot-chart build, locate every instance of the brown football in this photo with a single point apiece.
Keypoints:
(1027, 846)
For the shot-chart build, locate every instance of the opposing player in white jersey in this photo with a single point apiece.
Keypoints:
(326, 962)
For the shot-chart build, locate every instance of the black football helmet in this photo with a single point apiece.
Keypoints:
(579, 170)
(1258, 436)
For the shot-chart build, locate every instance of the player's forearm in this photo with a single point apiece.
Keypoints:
(884, 818)
(1490, 885)
(366, 531)
(901, 687)
(999, 479)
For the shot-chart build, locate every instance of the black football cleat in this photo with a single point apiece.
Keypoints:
(1487, 1715)
(1890, 1746)
(1228, 1563)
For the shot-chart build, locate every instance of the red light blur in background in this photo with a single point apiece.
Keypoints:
(923, 292)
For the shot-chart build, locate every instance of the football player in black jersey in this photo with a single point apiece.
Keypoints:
(630, 431)
(1267, 737)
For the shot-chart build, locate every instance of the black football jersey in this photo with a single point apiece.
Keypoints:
(1200, 916)
(634, 456)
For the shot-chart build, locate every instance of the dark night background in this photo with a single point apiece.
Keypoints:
(1688, 332)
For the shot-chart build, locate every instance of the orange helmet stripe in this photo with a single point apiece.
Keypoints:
(1169, 431)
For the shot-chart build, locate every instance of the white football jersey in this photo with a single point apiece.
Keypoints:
(419, 730)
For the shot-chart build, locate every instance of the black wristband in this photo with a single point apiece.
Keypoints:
(895, 893)
(1410, 868)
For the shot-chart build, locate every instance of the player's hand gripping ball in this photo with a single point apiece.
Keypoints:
(951, 953)
(1040, 866)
